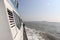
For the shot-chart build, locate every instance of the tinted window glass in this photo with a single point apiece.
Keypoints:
(15, 3)
(17, 20)
(11, 19)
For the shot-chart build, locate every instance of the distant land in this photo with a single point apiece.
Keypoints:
(45, 26)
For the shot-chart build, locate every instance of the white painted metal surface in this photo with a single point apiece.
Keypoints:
(6, 32)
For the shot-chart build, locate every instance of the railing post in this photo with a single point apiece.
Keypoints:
(24, 33)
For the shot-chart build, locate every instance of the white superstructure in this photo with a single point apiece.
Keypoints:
(11, 24)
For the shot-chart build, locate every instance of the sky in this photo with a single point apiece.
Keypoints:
(40, 10)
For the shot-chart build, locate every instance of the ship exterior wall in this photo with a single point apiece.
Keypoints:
(5, 32)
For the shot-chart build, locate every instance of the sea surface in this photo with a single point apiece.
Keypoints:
(52, 28)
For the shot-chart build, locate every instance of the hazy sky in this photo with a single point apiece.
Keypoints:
(40, 10)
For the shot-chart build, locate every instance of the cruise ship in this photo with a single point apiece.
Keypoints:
(11, 24)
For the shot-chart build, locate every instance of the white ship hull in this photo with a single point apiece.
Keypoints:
(11, 24)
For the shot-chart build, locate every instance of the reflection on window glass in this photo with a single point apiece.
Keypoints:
(15, 3)
(17, 20)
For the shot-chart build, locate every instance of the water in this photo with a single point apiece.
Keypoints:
(48, 27)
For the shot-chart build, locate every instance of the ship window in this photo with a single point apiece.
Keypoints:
(11, 20)
(15, 3)
(17, 20)
(12, 23)
(10, 16)
(12, 26)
